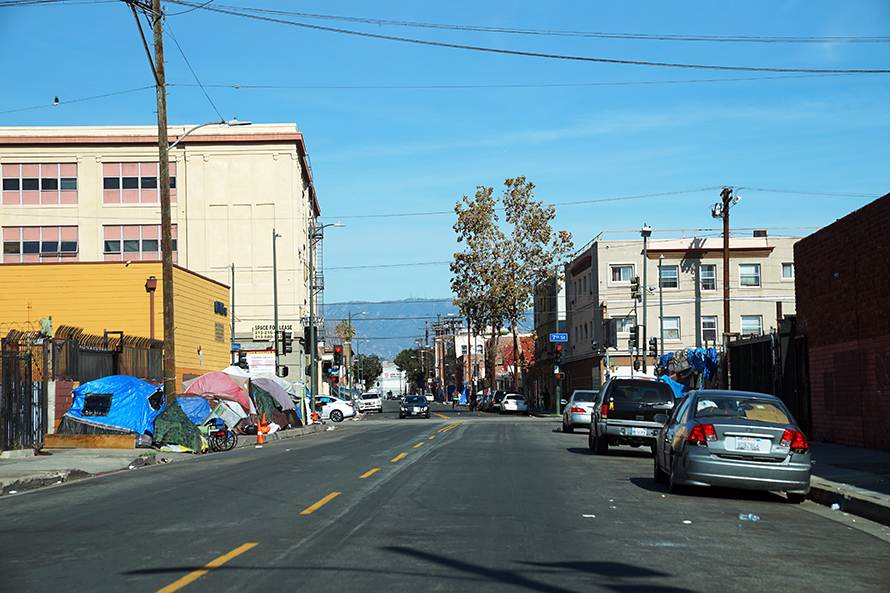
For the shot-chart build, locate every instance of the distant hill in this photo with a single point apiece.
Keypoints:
(388, 327)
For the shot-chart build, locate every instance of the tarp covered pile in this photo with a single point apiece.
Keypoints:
(687, 369)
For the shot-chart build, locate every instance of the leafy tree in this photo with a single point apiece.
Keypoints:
(495, 276)
(407, 362)
(369, 368)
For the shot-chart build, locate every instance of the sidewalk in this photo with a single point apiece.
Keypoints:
(27, 469)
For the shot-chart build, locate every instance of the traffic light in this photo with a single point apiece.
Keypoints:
(632, 340)
(288, 342)
(635, 287)
(242, 360)
(653, 347)
(335, 379)
(338, 356)
(559, 354)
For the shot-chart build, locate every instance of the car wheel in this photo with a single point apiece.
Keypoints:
(795, 497)
(567, 427)
(336, 416)
(674, 486)
(401, 416)
(601, 444)
(660, 476)
(427, 414)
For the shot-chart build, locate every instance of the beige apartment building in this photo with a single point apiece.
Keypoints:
(91, 194)
(684, 304)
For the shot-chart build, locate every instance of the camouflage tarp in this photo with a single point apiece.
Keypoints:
(173, 427)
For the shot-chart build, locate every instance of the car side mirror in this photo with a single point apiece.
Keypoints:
(661, 418)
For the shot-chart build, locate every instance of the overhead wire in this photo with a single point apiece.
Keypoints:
(235, 12)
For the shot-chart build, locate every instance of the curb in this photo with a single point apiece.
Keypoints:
(850, 500)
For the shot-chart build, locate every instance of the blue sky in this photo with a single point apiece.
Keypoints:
(397, 128)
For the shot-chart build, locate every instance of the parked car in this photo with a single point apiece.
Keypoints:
(414, 405)
(334, 408)
(733, 439)
(370, 401)
(513, 402)
(578, 408)
(429, 397)
(495, 404)
(625, 411)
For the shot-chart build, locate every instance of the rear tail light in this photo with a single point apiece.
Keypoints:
(577, 410)
(702, 434)
(795, 440)
(604, 410)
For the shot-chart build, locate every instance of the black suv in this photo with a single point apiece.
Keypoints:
(625, 411)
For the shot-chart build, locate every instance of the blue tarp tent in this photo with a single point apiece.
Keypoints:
(119, 402)
(196, 408)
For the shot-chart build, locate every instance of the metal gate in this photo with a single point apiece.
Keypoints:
(22, 404)
(775, 364)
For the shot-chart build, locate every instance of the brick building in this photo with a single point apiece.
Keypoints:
(842, 286)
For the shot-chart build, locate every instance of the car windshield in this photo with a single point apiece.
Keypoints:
(740, 408)
(584, 396)
(641, 391)
(415, 399)
(369, 396)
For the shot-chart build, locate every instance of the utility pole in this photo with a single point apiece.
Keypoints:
(166, 217)
(721, 210)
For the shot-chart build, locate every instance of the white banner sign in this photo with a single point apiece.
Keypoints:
(266, 331)
(261, 361)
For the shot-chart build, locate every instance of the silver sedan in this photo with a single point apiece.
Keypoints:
(578, 409)
(733, 439)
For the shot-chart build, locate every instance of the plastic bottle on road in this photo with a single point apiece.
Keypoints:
(748, 517)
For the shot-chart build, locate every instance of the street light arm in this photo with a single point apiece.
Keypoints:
(224, 122)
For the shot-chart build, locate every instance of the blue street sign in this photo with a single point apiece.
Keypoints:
(236, 347)
(559, 337)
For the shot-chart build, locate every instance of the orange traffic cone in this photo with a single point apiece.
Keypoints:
(260, 430)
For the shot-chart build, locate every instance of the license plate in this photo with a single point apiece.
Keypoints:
(750, 444)
(638, 432)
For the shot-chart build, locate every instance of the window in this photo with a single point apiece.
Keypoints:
(463, 350)
(709, 277)
(670, 328)
(39, 184)
(479, 349)
(135, 242)
(134, 183)
(670, 276)
(749, 275)
(623, 324)
(752, 324)
(709, 329)
(39, 244)
(621, 273)
(787, 271)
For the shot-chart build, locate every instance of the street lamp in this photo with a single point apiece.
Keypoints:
(646, 232)
(315, 235)
(167, 227)
(275, 294)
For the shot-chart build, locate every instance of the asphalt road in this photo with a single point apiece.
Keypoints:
(457, 502)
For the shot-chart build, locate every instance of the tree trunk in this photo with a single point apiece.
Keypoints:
(516, 355)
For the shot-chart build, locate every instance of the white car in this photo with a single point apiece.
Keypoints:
(429, 397)
(334, 408)
(576, 413)
(513, 402)
(370, 402)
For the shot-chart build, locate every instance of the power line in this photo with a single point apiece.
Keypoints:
(234, 12)
(557, 33)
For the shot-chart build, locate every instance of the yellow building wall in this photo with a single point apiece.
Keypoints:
(111, 296)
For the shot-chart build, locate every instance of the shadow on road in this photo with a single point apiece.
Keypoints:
(618, 571)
